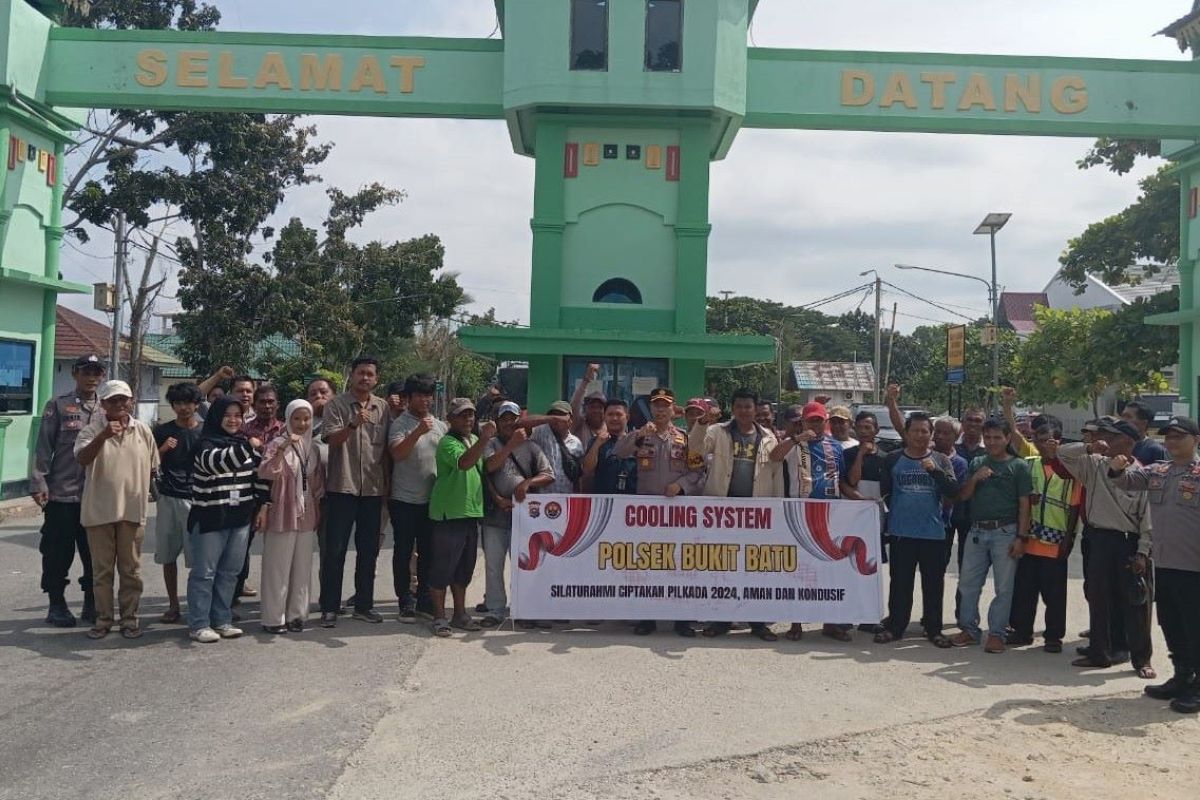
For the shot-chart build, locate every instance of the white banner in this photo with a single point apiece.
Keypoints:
(696, 558)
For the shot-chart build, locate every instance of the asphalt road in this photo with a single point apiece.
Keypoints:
(366, 711)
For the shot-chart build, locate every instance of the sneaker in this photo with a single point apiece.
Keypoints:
(408, 611)
(228, 632)
(296, 625)
(205, 636)
(370, 615)
(1052, 646)
(329, 619)
(275, 628)
(60, 616)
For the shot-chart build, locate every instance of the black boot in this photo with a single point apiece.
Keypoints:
(1177, 686)
(60, 615)
(88, 614)
(1189, 701)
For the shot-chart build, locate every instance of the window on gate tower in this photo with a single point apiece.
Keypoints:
(664, 35)
(589, 35)
(617, 290)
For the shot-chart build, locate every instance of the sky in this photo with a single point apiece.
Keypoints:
(803, 212)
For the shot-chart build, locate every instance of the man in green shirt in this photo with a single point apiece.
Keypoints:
(456, 507)
(999, 489)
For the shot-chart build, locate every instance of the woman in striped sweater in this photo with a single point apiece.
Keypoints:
(226, 491)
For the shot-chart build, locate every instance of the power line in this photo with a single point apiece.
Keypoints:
(930, 302)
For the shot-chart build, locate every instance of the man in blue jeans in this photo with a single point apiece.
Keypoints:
(1000, 488)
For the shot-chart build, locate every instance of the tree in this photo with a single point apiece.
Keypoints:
(920, 366)
(1145, 234)
(211, 179)
(336, 298)
(1073, 358)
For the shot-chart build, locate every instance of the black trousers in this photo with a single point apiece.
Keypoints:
(1039, 576)
(909, 555)
(958, 530)
(62, 535)
(349, 512)
(411, 528)
(1178, 593)
(1109, 576)
(245, 571)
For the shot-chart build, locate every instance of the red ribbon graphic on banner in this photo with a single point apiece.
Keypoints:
(579, 512)
(812, 532)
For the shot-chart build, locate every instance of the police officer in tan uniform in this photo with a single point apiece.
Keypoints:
(1173, 489)
(663, 468)
(56, 484)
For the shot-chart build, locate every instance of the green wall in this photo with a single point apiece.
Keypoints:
(20, 318)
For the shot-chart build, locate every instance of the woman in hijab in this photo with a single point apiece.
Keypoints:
(293, 466)
(225, 490)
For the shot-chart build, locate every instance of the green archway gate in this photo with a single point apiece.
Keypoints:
(623, 141)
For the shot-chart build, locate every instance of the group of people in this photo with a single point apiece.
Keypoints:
(1006, 488)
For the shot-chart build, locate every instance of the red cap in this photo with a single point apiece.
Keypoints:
(815, 409)
(698, 402)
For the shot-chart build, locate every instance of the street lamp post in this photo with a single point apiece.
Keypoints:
(992, 223)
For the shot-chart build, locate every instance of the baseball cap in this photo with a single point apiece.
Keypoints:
(1120, 426)
(662, 393)
(1091, 425)
(89, 360)
(815, 409)
(458, 405)
(698, 403)
(840, 412)
(507, 407)
(1181, 424)
(794, 413)
(114, 389)
(561, 407)
(595, 397)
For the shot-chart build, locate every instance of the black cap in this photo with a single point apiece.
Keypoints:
(1181, 424)
(662, 393)
(1123, 427)
(89, 360)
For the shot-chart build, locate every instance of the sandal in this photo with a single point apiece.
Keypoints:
(836, 633)
(465, 624)
(132, 633)
(97, 633)
(766, 634)
(490, 622)
(1146, 673)
(938, 640)
(794, 634)
(171, 617)
(886, 637)
(441, 628)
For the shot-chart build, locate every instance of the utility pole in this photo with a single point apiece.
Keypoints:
(878, 337)
(887, 369)
(114, 353)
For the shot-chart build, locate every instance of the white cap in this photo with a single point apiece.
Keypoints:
(114, 389)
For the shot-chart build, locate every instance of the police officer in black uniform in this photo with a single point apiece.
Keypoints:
(56, 484)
